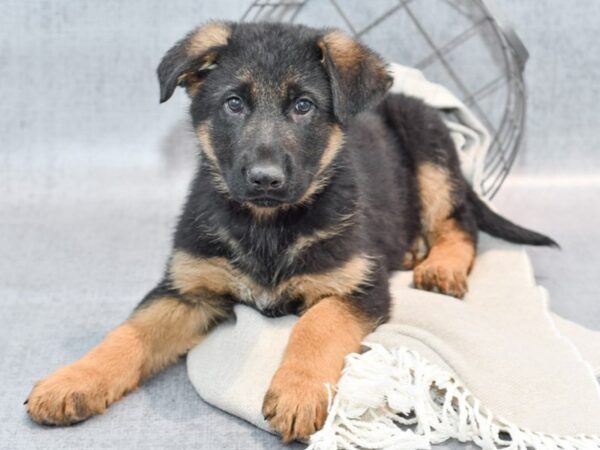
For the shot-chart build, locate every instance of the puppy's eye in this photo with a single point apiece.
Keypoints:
(303, 106)
(235, 104)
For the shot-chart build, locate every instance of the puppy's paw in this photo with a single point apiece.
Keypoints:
(442, 277)
(70, 395)
(296, 403)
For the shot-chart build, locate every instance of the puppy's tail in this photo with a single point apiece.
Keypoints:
(498, 226)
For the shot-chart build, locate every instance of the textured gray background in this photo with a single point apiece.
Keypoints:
(92, 173)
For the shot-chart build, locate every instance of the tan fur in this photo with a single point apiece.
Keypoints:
(342, 281)
(316, 186)
(451, 250)
(263, 213)
(449, 261)
(213, 34)
(292, 77)
(244, 75)
(193, 80)
(343, 50)
(349, 56)
(221, 235)
(190, 274)
(296, 402)
(336, 140)
(169, 328)
(306, 241)
(435, 192)
(88, 386)
(203, 133)
(152, 338)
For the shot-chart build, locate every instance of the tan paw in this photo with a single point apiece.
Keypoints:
(70, 395)
(296, 403)
(442, 277)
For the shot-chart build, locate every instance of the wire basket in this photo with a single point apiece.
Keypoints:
(465, 45)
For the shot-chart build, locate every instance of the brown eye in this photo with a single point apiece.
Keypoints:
(303, 106)
(235, 104)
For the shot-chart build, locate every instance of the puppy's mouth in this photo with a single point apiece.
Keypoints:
(266, 202)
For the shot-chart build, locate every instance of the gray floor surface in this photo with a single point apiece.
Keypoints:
(81, 250)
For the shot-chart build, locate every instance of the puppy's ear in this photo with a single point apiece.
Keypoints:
(188, 61)
(358, 76)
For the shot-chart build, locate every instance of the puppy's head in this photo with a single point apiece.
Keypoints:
(270, 102)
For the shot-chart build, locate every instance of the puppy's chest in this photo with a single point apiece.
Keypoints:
(267, 279)
(266, 299)
(266, 287)
(261, 286)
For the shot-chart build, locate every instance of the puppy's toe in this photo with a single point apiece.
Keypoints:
(68, 396)
(295, 404)
(442, 278)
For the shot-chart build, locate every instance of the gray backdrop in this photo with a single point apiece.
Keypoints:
(93, 170)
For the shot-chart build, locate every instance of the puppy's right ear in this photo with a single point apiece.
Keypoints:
(188, 61)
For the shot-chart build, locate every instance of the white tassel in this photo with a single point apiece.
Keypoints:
(396, 400)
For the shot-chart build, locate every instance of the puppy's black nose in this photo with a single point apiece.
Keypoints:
(266, 177)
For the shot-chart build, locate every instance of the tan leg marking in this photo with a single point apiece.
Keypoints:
(451, 250)
(153, 337)
(296, 402)
(435, 192)
(449, 261)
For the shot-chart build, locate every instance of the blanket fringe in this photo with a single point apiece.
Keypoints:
(396, 400)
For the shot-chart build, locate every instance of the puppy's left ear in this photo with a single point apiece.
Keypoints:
(358, 76)
(188, 61)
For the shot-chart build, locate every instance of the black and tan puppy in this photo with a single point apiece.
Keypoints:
(313, 186)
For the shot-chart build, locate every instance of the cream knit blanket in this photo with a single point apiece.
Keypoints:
(496, 368)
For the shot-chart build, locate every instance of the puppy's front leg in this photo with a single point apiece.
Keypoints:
(160, 329)
(296, 402)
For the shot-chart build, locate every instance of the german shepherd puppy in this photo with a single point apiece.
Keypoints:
(313, 185)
